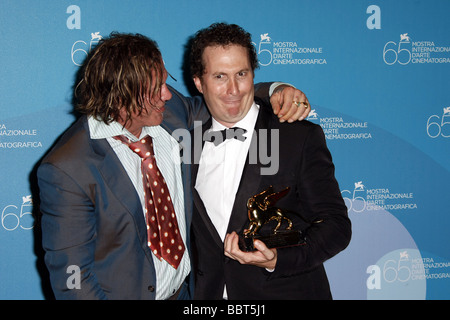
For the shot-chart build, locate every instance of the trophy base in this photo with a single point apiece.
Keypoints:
(280, 239)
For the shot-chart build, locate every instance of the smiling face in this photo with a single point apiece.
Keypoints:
(227, 83)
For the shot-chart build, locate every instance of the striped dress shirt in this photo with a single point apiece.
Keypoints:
(167, 155)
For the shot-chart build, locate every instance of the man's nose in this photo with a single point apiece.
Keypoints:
(233, 87)
(166, 95)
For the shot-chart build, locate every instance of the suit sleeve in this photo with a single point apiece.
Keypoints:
(262, 91)
(182, 112)
(321, 200)
(68, 235)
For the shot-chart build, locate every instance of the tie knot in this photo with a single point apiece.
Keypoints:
(143, 147)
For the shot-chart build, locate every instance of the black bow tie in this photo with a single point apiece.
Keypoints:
(217, 137)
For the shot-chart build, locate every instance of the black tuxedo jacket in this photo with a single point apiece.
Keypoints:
(305, 165)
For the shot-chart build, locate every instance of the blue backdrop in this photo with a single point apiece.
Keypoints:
(377, 74)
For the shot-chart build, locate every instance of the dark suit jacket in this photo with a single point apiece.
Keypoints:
(305, 165)
(92, 217)
(91, 213)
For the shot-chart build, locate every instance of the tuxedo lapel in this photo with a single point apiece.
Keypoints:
(201, 210)
(248, 186)
(250, 183)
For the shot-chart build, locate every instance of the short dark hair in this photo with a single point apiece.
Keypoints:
(118, 74)
(219, 34)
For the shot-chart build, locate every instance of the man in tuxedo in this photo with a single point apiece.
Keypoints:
(223, 61)
(98, 223)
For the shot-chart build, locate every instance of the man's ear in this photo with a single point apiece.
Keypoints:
(198, 84)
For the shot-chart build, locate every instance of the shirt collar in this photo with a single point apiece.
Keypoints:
(101, 130)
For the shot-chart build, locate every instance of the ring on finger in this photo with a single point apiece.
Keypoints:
(301, 102)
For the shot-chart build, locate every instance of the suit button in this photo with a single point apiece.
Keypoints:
(151, 288)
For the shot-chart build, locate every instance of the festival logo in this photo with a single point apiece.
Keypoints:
(340, 128)
(80, 49)
(397, 275)
(360, 199)
(18, 138)
(18, 217)
(407, 51)
(287, 52)
(439, 125)
(403, 274)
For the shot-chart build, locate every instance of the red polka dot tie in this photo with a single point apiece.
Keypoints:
(164, 237)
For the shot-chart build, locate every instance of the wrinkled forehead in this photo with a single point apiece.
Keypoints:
(226, 56)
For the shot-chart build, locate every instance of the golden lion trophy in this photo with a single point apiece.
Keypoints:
(261, 211)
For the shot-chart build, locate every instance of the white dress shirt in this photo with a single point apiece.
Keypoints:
(220, 170)
(167, 155)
